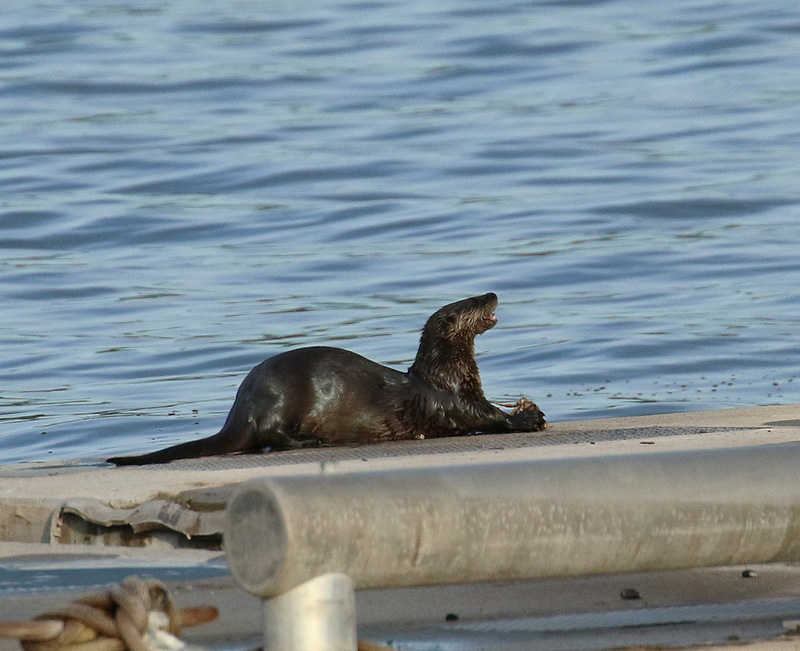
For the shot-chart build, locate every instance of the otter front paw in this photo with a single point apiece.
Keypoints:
(527, 417)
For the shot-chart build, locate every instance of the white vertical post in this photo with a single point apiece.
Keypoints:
(318, 615)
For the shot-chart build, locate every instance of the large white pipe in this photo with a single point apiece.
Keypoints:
(522, 520)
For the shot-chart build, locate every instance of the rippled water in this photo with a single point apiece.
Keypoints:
(189, 187)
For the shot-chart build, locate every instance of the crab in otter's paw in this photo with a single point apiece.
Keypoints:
(526, 412)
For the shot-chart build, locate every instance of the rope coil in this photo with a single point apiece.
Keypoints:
(123, 618)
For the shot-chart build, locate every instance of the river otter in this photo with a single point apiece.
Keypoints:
(329, 396)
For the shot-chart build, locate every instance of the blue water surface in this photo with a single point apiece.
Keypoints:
(188, 187)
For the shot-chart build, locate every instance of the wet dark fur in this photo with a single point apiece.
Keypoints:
(329, 396)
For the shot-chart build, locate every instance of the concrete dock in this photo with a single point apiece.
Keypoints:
(89, 520)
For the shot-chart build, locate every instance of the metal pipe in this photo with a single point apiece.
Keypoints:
(319, 615)
(522, 520)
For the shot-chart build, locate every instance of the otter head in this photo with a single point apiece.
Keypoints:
(446, 355)
(463, 319)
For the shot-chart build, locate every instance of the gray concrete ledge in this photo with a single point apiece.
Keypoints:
(194, 492)
(30, 493)
(716, 603)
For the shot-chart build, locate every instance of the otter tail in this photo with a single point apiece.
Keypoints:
(223, 442)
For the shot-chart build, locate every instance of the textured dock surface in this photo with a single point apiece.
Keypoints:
(675, 609)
